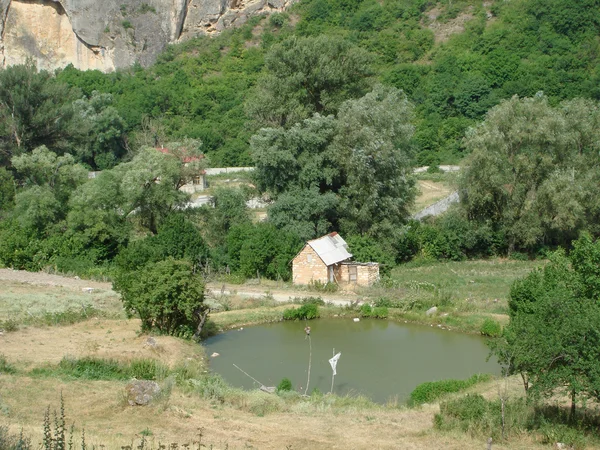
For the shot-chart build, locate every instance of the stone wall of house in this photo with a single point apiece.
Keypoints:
(308, 267)
(366, 273)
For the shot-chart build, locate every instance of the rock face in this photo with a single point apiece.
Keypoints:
(141, 392)
(111, 34)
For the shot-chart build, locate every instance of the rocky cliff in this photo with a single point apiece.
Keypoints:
(110, 34)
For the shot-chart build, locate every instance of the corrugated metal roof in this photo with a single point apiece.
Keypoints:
(331, 248)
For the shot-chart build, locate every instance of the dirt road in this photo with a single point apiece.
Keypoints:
(213, 289)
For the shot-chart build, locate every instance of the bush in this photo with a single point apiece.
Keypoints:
(9, 325)
(311, 300)
(491, 328)
(479, 417)
(277, 20)
(263, 249)
(284, 385)
(307, 311)
(380, 312)
(432, 390)
(168, 296)
(90, 368)
(319, 286)
(366, 310)
(553, 433)
(385, 302)
(5, 366)
(13, 442)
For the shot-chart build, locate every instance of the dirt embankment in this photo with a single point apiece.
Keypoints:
(46, 279)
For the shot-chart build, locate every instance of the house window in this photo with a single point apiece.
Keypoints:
(197, 180)
(352, 273)
(309, 258)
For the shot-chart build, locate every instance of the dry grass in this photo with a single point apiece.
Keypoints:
(430, 192)
(117, 339)
(99, 408)
(25, 302)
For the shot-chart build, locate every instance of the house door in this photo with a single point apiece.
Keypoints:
(331, 277)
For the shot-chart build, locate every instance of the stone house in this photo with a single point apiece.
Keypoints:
(197, 177)
(327, 260)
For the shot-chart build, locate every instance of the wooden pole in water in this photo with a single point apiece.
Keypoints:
(309, 362)
(332, 375)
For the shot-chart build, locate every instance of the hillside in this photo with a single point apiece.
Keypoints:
(454, 59)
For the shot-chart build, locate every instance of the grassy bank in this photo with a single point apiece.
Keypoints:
(465, 293)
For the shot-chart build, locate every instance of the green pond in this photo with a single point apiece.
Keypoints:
(380, 359)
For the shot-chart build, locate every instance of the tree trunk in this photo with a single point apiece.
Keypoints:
(202, 318)
(573, 404)
(525, 382)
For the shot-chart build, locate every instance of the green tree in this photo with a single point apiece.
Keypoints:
(307, 75)
(362, 156)
(305, 213)
(297, 158)
(42, 167)
(229, 209)
(262, 249)
(167, 296)
(373, 144)
(177, 238)
(150, 186)
(35, 110)
(531, 169)
(101, 131)
(552, 339)
(97, 212)
(37, 208)
(47, 183)
(7, 189)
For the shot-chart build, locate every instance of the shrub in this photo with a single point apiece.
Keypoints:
(9, 325)
(366, 310)
(5, 366)
(491, 328)
(284, 385)
(13, 442)
(319, 286)
(167, 296)
(277, 20)
(385, 302)
(380, 312)
(556, 432)
(309, 300)
(432, 390)
(90, 368)
(307, 311)
(126, 24)
(479, 417)
(145, 8)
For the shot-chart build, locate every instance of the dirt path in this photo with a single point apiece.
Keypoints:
(214, 289)
(46, 279)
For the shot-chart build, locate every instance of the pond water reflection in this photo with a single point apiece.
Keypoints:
(380, 359)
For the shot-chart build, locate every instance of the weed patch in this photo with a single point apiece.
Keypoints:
(433, 390)
(90, 368)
